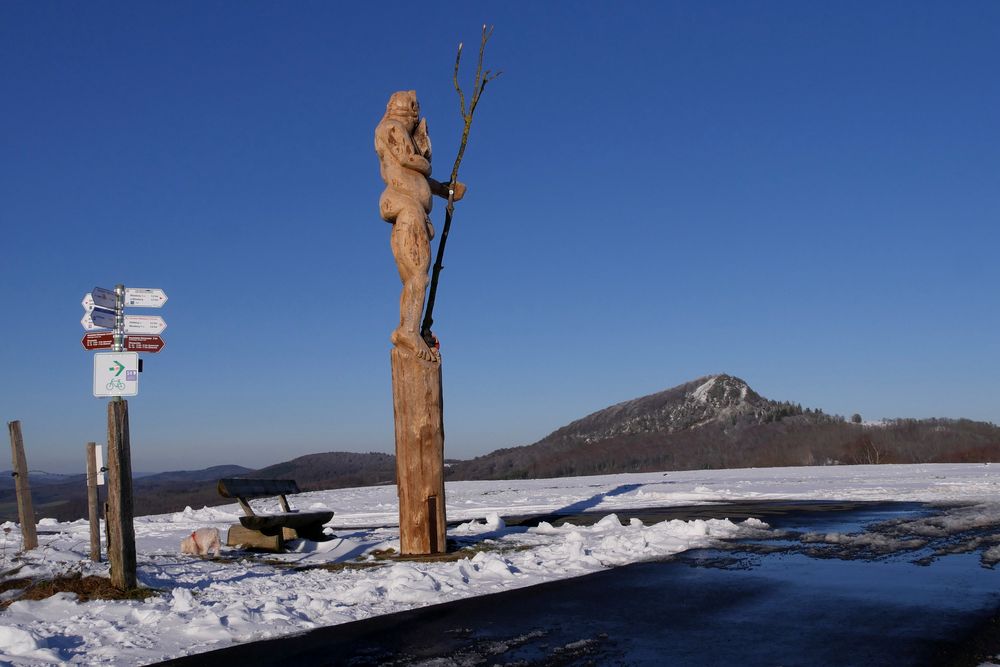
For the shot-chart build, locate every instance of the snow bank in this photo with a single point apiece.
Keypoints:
(208, 604)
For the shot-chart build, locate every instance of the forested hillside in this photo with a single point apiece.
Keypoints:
(713, 422)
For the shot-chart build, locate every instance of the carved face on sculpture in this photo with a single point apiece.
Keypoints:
(403, 106)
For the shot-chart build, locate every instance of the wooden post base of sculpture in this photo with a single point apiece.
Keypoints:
(418, 410)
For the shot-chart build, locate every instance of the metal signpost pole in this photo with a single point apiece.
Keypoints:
(118, 344)
(121, 529)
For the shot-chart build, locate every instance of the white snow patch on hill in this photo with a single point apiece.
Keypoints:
(700, 394)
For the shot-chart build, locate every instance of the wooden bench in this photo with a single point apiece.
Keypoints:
(269, 531)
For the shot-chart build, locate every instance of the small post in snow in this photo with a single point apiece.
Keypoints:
(25, 511)
(93, 515)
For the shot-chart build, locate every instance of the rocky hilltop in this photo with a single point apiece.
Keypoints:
(719, 399)
(718, 421)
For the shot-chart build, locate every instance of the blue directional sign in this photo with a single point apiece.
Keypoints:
(103, 318)
(104, 298)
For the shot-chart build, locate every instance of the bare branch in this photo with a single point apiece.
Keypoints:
(458, 88)
(478, 86)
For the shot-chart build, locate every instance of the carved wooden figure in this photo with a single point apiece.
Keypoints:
(404, 151)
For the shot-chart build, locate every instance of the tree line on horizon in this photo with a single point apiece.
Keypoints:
(787, 435)
(801, 438)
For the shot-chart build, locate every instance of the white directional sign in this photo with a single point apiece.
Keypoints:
(102, 318)
(102, 298)
(87, 303)
(144, 324)
(145, 297)
(116, 374)
(90, 325)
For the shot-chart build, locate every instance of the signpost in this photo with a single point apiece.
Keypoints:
(116, 374)
(105, 309)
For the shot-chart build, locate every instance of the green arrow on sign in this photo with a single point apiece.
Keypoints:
(120, 366)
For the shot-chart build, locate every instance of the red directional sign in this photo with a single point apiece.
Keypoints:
(105, 340)
(98, 341)
(143, 343)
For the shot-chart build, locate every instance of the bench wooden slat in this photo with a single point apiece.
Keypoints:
(256, 488)
(296, 520)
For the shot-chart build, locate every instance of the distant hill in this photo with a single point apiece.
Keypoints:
(39, 478)
(64, 497)
(212, 474)
(334, 470)
(718, 421)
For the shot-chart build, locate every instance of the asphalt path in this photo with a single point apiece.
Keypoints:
(757, 602)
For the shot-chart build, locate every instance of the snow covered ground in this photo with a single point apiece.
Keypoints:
(208, 604)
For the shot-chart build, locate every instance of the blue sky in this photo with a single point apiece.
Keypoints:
(805, 195)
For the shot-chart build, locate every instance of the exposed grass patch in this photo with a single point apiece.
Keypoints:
(359, 564)
(339, 567)
(490, 546)
(86, 588)
(380, 557)
(455, 552)
(12, 584)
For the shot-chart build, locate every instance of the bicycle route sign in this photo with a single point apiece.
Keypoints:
(116, 374)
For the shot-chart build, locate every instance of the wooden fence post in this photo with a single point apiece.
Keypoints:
(25, 511)
(93, 516)
(121, 547)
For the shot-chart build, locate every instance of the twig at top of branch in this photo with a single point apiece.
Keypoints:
(478, 86)
(461, 95)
